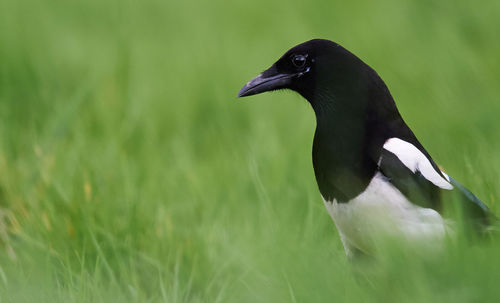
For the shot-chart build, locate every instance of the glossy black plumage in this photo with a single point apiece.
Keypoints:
(355, 115)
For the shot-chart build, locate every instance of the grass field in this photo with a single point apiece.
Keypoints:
(129, 171)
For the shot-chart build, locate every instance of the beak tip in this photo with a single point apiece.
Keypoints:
(261, 84)
(245, 90)
(240, 94)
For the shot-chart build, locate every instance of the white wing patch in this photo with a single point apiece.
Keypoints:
(415, 160)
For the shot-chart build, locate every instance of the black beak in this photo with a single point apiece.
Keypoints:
(267, 81)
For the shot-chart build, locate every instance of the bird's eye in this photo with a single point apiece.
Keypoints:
(299, 60)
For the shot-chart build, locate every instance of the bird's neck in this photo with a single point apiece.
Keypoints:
(344, 118)
(351, 128)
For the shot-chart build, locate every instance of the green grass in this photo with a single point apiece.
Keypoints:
(129, 171)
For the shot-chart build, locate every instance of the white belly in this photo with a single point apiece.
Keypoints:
(381, 211)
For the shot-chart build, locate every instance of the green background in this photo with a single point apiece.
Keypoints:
(129, 171)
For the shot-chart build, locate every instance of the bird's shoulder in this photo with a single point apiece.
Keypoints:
(398, 155)
(409, 168)
(413, 172)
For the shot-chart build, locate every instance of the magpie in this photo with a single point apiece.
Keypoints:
(373, 174)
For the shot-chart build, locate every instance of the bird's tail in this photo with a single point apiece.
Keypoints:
(486, 222)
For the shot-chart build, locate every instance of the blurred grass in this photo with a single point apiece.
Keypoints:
(129, 172)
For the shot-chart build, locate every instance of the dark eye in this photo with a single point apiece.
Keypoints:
(299, 60)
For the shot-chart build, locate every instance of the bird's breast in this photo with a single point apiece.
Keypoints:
(342, 175)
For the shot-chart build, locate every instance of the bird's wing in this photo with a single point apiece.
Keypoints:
(417, 177)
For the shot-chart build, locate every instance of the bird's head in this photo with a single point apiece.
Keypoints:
(316, 69)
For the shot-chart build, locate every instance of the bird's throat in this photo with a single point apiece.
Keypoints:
(342, 165)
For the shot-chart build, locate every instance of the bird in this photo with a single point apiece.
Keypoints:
(374, 175)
